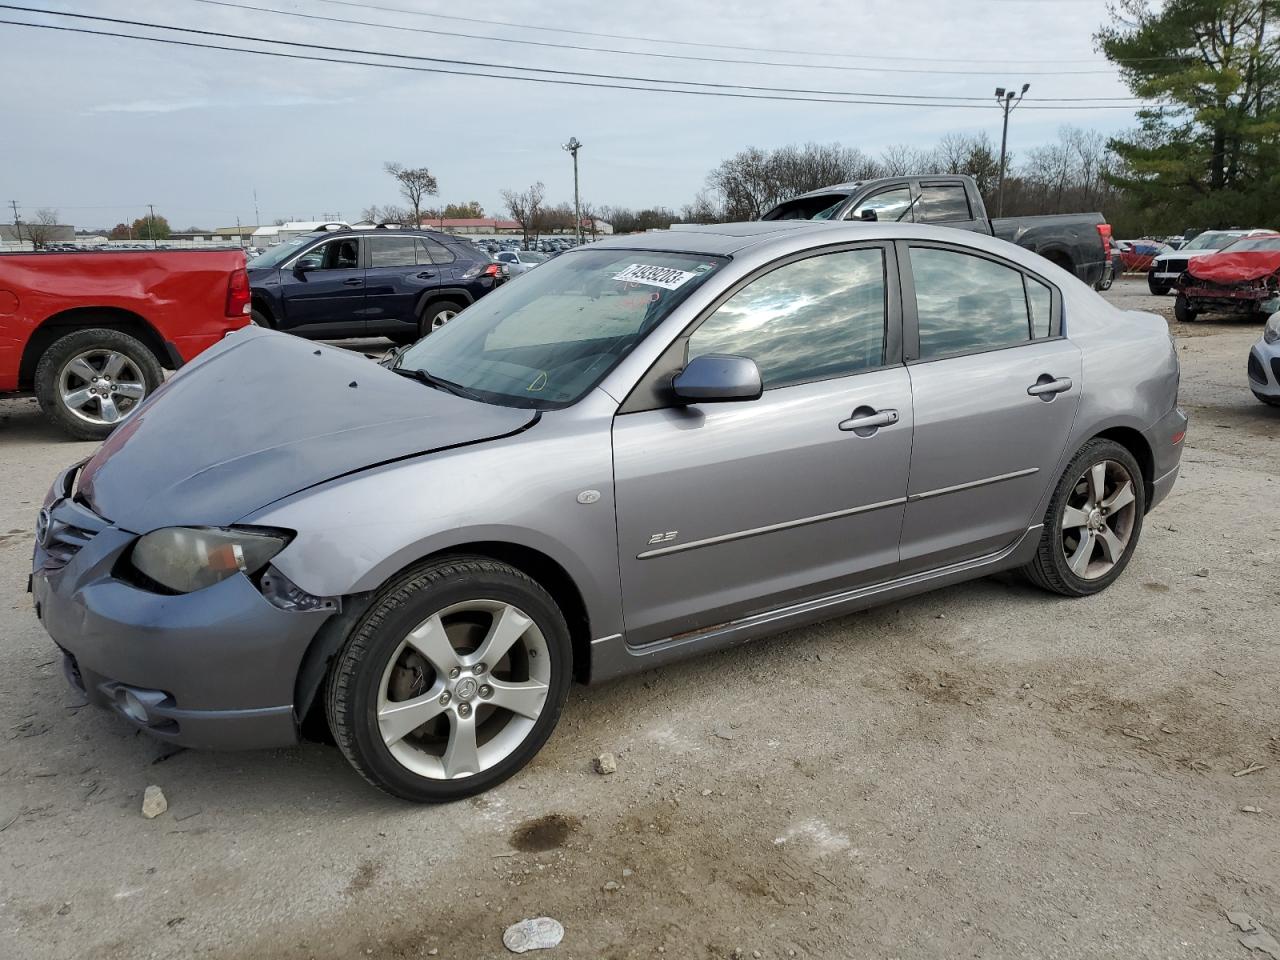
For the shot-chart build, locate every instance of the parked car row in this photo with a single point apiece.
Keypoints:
(1167, 267)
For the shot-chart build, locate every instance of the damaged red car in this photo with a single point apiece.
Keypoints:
(1241, 278)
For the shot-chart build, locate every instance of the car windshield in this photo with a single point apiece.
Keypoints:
(545, 341)
(1253, 243)
(1211, 240)
(282, 251)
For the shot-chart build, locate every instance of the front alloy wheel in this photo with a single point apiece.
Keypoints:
(1093, 521)
(452, 682)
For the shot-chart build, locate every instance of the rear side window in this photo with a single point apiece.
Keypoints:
(944, 202)
(966, 303)
(432, 251)
(1040, 300)
(813, 319)
(391, 252)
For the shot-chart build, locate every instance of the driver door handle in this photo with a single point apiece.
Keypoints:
(426, 275)
(353, 282)
(870, 421)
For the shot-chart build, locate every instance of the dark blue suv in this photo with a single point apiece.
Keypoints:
(375, 282)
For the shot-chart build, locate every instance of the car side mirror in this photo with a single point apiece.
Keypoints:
(869, 215)
(718, 378)
(304, 265)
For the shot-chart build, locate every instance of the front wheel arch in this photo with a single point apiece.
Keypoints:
(538, 566)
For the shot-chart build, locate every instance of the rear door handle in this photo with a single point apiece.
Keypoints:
(1046, 387)
(866, 421)
(353, 282)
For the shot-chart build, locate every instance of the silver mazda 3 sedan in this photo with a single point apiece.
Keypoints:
(653, 447)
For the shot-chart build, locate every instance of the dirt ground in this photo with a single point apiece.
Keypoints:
(985, 771)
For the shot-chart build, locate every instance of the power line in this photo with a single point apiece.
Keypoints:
(697, 43)
(800, 93)
(495, 76)
(610, 50)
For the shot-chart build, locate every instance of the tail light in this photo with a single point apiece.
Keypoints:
(238, 293)
(483, 270)
(1104, 231)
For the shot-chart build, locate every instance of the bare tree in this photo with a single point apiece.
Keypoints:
(525, 208)
(42, 228)
(902, 160)
(415, 184)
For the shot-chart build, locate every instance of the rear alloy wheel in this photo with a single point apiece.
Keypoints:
(1182, 310)
(1093, 522)
(91, 381)
(453, 681)
(436, 315)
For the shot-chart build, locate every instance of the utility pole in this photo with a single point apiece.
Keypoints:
(573, 146)
(17, 224)
(257, 217)
(151, 225)
(1006, 100)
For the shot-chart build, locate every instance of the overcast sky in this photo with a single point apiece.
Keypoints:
(99, 127)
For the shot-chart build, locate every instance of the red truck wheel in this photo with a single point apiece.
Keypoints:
(90, 381)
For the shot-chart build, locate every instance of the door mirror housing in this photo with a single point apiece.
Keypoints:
(869, 215)
(718, 378)
(306, 265)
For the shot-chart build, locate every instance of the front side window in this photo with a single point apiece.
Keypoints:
(813, 319)
(547, 340)
(392, 252)
(891, 206)
(966, 303)
(341, 254)
(944, 202)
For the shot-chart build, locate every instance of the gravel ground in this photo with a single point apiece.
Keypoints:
(985, 771)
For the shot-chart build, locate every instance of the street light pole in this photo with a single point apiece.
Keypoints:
(1006, 100)
(573, 146)
(151, 225)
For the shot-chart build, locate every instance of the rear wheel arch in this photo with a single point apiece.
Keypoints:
(538, 566)
(1137, 445)
(1059, 258)
(54, 327)
(262, 305)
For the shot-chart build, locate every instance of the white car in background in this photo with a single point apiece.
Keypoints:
(520, 261)
(1264, 364)
(1166, 268)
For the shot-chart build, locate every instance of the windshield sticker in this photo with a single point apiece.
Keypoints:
(669, 278)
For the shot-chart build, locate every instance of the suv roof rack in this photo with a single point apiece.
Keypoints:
(388, 225)
(332, 227)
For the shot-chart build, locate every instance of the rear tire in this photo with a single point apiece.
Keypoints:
(422, 645)
(1159, 288)
(260, 319)
(1182, 310)
(435, 315)
(1093, 522)
(90, 381)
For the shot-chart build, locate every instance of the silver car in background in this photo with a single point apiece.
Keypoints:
(1264, 363)
(520, 261)
(646, 449)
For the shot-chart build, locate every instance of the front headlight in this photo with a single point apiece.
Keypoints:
(1271, 332)
(186, 559)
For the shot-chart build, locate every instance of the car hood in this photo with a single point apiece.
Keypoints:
(1236, 267)
(263, 415)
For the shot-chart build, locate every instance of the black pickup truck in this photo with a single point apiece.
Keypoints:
(1078, 242)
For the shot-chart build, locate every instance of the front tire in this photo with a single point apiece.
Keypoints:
(90, 381)
(1182, 310)
(452, 681)
(1093, 522)
(1158, 287)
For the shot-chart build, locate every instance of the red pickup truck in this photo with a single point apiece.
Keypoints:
(90, 334)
